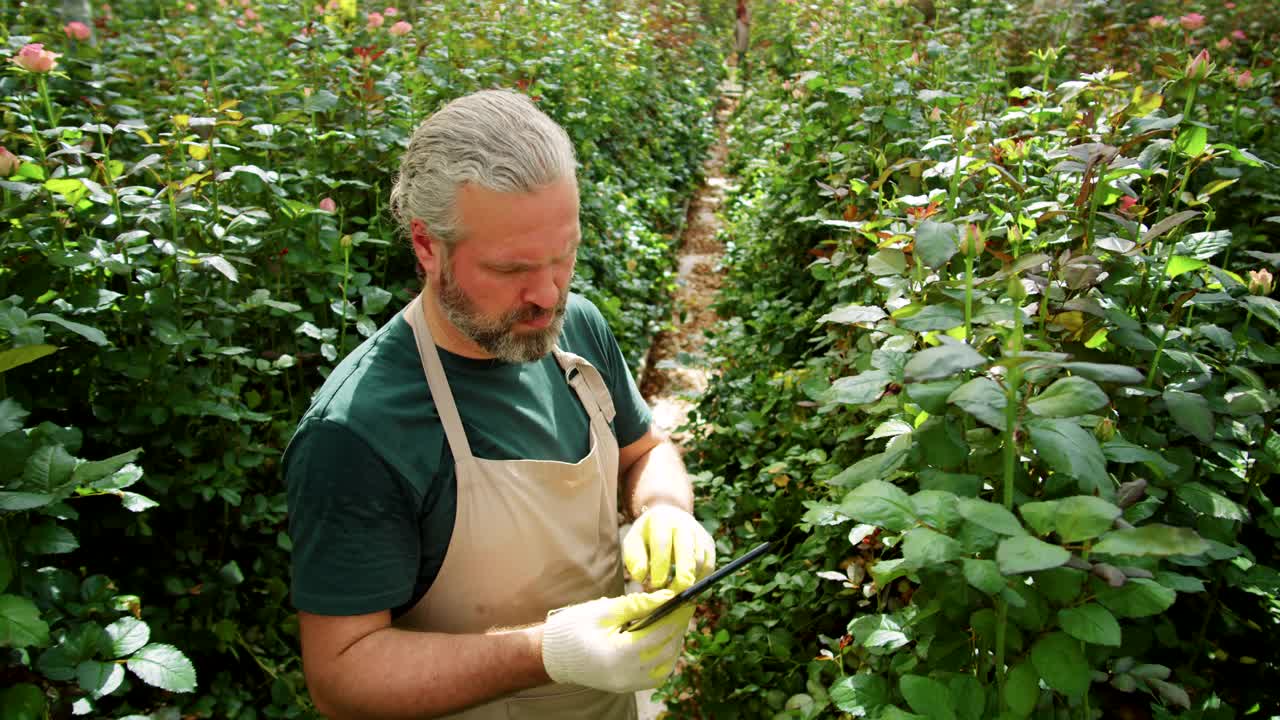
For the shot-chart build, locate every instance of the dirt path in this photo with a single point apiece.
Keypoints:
(676, 373)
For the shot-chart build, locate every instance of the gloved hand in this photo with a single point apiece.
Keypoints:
(584, 644)
(667, 544)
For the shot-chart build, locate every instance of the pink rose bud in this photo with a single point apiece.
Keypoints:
(258, 28)
(1239, 35)
(250, 15)
(1260, 282)
(9, 163)
(401, 28)
(76, 30)
(1224, 43)
(191, 7)
(375, 20)
(328, 205)
(1191, 21)
(1230, 6)
(391, 12)
(1200, 66)
(34, 58)
(241, 23)
(1157, 21)
(1244, 79)
(1126, 203)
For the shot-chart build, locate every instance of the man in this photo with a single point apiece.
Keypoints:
(454, 486)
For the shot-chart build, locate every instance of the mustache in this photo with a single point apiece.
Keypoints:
(530, 313)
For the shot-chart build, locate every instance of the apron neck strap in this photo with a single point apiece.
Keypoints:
(587, 382)
(437, 382)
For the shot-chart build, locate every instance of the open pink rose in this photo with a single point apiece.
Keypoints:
(34, 58)
(401, 28)
(9, 163)
(375, 20)
(1239, 35)
(1157, 21)
(77, 30)
(1224, 43)
(391, 12)
(1191, 21)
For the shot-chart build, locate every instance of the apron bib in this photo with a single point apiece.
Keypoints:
(529, 536)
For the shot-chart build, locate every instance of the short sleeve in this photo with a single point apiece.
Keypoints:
(353, 524)
(633, 415)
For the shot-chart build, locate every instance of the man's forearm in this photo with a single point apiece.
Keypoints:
(395, 674)
(658, 477)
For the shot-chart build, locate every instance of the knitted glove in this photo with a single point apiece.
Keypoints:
(668, 545)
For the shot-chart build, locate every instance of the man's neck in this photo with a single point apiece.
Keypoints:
(444, 333)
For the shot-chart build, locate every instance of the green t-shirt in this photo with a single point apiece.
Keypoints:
(372, 492)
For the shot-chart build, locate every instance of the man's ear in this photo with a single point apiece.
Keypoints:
(428, 248)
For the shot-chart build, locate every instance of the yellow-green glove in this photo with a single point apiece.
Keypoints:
(585, 645)
(668, 547)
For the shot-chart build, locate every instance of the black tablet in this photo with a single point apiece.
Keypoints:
(696, 589)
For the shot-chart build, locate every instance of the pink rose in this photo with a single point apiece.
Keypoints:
(401, 28)
(191, 7)
(1224, 43)
(1239, 35)
(259, 28)
(1230, 6)
(77, 30)
(1157, 21)
(1244, 79)
(250, 15)
(9, 163)
(375, 20)
(391, 12)
(328, 205)
(34, 58)
(1191, 21)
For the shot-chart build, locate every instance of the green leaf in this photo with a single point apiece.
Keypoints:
(879, 503)
(940, 317)
(128, 635)
(1168, 224)
(87, 473)
(860, 695)
(932, 396)
(1091, 623)
(1191, 413)
(12, 416)
(49, 469)
(1191, 140)
(23, 701)
(982, 398)
(1022, 689)
(1207, 501)
(942, 361)
(20, 623)
(1023, 554)
(165, 667)
(99, 678)
(49, 538)
(859, 389)
(923, 547)
(1265, 309)
(984, 575)
(1067, 397)
(1060, 661)
(1082, 517)
(93, 335)
(936, 243)
(1179, 265)
(1154, 539)
(1066, 448)
(854, 315)
(12, 358)
(1139, 597)
(990, 516)
(877, 632)
(927, 697)
(16, 501)
(1103, 372)
(1123, 451)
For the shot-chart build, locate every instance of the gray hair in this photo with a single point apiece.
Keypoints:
(497, 139)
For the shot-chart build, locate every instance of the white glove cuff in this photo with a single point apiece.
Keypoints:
(563, 654)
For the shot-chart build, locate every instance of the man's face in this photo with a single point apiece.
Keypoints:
(505, 286)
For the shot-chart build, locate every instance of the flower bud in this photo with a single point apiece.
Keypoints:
(9, 163)
(76, 30)
(1244, 79)
(328, 205)
(345, 242)
(1199, 67)
(972, 241)
(391, 12)
(1105, 430)
(1157, 21)
(1260, 282)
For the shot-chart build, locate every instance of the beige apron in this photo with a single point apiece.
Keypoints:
(529, 536)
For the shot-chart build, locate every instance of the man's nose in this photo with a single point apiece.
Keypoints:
(543, 289)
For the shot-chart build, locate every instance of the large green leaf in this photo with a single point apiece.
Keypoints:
(878, 633)
(860, 695)
(879, 503)
(165, 667)
(923, 547)
(984, 575)
(1154, 539)
(859, 389)
(1207, 501)
(936, 243)
(1060, 661)
(854, 314)
(1265, 309)
(1067, 397)
(99, 678)
(1023, 554)
(87, 473)
(12, 416)
(12, 358)
(128, 634)
(49, 469)
(93, 335)
(942, 361)
(1101, 372)
(23, 701)
(15, 501)
(49, 538)
(1022, 689)
(1191, 413)
(1066, 448)
(1139, 597)
(990, 516)
(1075, 518)
(20, 623)
(927, 696)
(1091, 623)
(982, 398)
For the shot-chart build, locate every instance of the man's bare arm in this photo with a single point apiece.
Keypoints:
(652, 473)
(360, 667)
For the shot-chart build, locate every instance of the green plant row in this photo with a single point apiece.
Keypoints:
(194, 232)
(998, 361)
